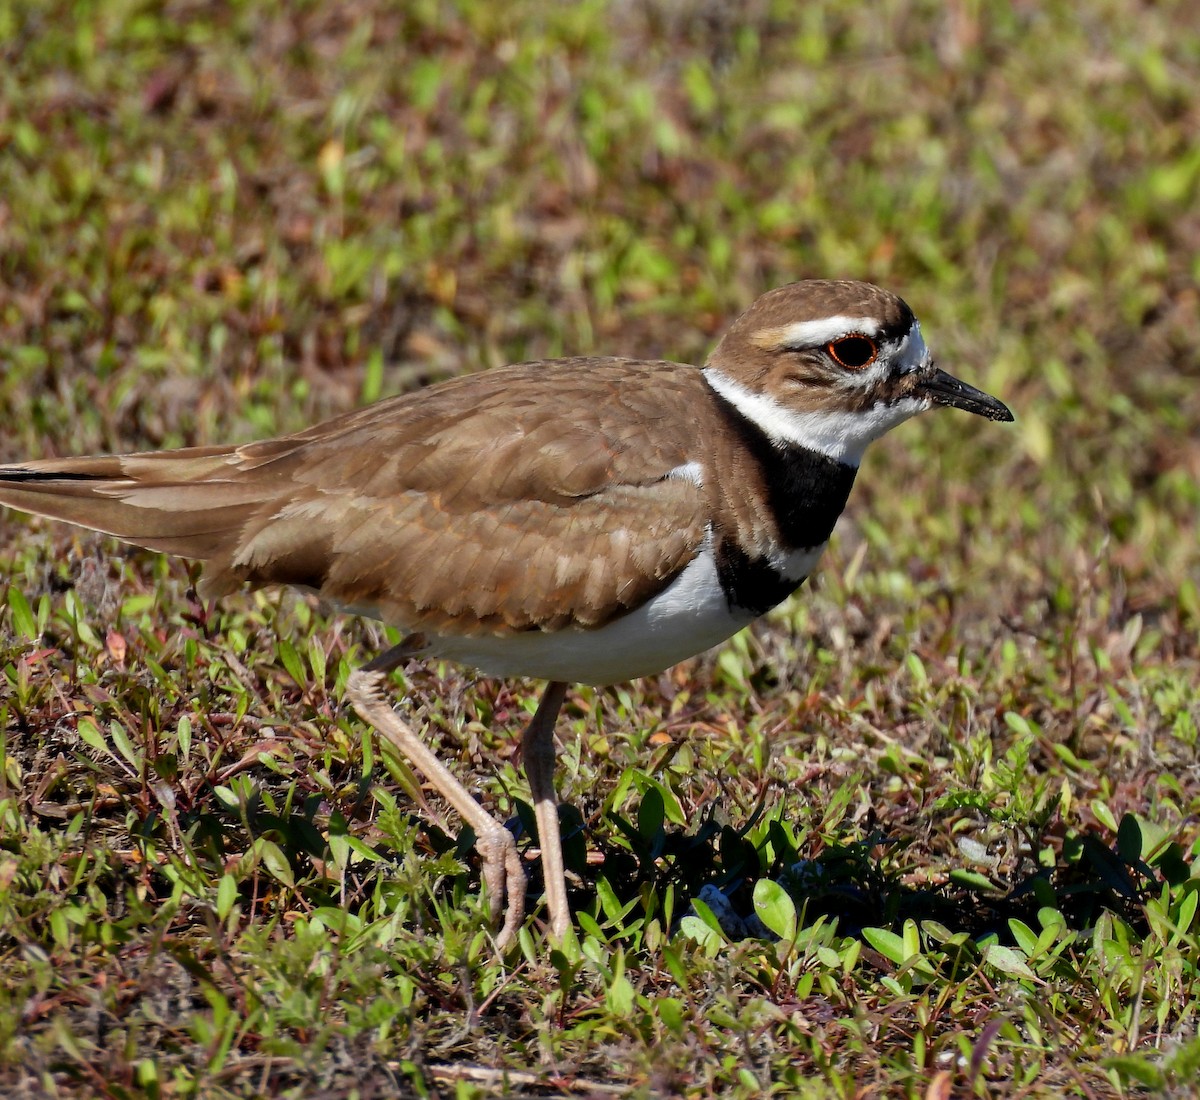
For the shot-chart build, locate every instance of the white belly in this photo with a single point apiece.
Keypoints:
(689, 616)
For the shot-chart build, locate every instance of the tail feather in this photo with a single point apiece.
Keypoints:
(190, 502)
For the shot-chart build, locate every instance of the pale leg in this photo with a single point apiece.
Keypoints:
(537, 744)
(503, 875)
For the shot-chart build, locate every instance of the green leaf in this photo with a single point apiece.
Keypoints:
(90, 735)
(1006, 960)
(1129, 839)
(372, 383)
(676, 965)
(363, 850)
(887, 943)
(1104, 815)
(670, 1011)
(316, 661)
(272, 858)
(651, 814)
(227, 892)
(620, 790)
(1172, 866)
(1129, 1067)
(589, 927)
(699, 932)
(292, 662)
(973, 880)
(166, 766)
(610, 904)
(775, 908)
(672, 809)
(1187, 910)
(1017, 724)
(829, 958)
(1025, 936)
(124, 746)
(1108, 865)
(22, 617)
(337, 920)
(619, 996)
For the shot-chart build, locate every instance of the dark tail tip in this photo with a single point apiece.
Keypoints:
(21, 473)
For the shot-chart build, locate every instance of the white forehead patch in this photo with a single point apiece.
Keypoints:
(823, 330)
(911, 353)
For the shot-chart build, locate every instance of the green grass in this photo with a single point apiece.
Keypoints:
(968, 753)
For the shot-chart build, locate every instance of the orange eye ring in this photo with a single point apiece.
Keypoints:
(853, 352)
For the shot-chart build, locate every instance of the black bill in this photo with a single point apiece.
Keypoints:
(945, 389)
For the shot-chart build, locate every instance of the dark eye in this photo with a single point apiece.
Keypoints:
(853, 351)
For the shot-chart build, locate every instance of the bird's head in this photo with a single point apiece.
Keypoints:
(832, 366)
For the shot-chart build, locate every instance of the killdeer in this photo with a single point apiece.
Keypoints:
(578, 520)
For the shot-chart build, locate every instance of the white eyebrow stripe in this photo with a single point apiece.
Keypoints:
(814, 334)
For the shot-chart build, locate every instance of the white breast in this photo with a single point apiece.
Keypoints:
(689, 616)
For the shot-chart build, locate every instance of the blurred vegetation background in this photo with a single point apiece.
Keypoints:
(225, 220)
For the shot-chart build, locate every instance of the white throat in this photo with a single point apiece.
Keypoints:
(840, 435)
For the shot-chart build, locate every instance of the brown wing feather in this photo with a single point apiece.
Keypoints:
(471, 507)
(492, 514)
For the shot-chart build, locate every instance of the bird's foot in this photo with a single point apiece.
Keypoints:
(504, 882)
